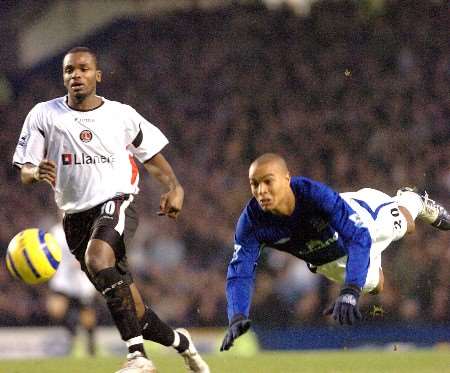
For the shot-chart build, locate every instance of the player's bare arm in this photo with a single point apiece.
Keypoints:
(171, 202)
(45, 171)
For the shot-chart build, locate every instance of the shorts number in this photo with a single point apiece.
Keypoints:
(395, 212)
(108, 208)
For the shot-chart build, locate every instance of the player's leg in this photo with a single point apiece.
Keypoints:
(57, 306)
(100, 260)
(106, 262)
(86, 296)
(156, 330)
(380, 286)
(153, 328)
(420, 206)
(150, 326)
(115, 288)
(61, 311)
(386, 222)
(88, 321)
(411, 224)
(375, 277)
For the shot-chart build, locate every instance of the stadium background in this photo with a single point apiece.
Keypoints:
(352, 93)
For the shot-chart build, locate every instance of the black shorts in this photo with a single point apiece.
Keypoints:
(114, 221)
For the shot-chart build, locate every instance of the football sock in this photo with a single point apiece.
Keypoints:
(70, 321)
(412, 202)
(180, 343)
(155, 330)
(121, 306)
(136, 344)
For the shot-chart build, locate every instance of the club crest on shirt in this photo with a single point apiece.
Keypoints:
(85, 135)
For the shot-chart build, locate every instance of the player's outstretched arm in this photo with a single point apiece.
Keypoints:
(45, 171)
(238, 325)
(171, 202)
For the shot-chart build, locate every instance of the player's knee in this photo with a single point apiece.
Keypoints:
(57, 306)
(99, 256)
(88, 318)
(410, 223)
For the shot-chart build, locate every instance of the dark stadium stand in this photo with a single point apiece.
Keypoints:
(228, 84)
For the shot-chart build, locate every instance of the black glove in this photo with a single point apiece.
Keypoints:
(345, 310)
(238, 326)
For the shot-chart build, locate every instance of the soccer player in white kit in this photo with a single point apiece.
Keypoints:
(84, 146)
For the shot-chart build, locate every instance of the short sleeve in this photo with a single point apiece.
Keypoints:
(146, 140)
(31, 145)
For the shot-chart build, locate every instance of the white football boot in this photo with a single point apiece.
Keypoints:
(137, 363)
(432, 212)
(192, 358)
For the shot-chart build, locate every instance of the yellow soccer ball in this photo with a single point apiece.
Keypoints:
(33, 256)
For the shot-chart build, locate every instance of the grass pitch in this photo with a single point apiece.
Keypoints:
(421, 361)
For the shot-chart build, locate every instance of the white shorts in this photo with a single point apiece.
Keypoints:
(381, 215)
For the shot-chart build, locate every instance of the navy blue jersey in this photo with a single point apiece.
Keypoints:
(322, 228)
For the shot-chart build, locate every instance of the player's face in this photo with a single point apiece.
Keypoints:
(80, 75)
(270, 185)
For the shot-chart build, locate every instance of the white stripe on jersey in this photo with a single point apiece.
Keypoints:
(121, 223)
(90, 148)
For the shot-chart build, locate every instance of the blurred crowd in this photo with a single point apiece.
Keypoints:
(348, 97)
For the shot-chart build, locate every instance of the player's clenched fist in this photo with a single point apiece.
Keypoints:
(46, 171)
(172, 202)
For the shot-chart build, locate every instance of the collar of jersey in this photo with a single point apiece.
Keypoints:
(66, 99)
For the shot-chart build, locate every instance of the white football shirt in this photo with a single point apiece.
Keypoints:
(93, 150)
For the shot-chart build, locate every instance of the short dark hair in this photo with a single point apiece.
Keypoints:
(84, 50)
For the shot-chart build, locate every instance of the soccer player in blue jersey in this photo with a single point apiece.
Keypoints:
(340, 236)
